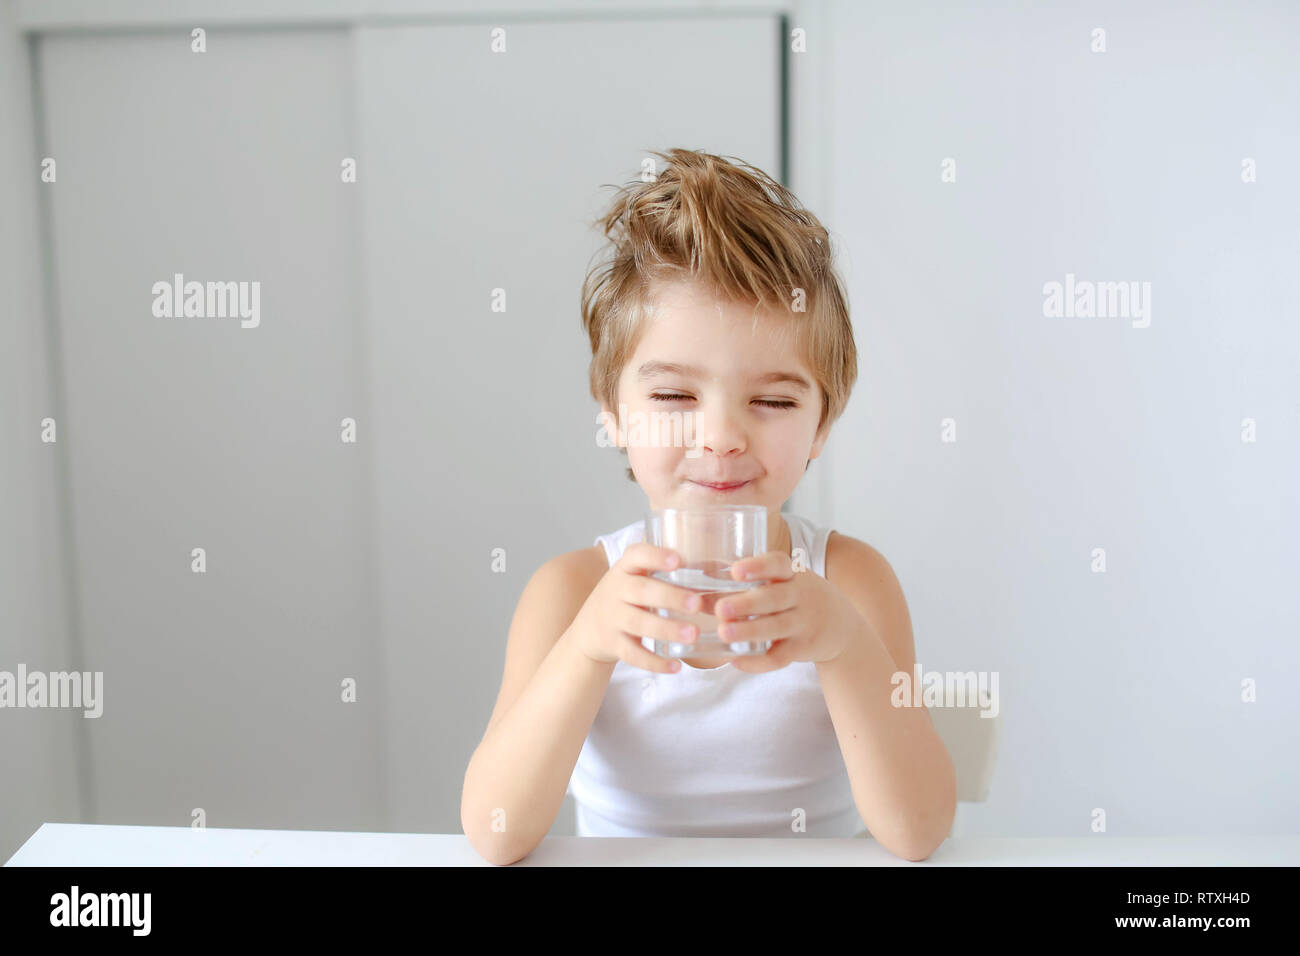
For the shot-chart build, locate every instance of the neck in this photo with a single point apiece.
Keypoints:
(781, 540)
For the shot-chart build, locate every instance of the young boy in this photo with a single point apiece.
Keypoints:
(719, 300)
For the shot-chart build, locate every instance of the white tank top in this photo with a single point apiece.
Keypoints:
(714, 752)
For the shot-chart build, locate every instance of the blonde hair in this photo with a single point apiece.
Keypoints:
(745, 238)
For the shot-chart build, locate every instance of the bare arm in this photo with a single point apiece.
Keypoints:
(901, 773)
(576, 619)
(550, 694)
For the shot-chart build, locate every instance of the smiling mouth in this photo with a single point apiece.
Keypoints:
(721, 486)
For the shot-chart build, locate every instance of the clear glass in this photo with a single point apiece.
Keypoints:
(709, 540)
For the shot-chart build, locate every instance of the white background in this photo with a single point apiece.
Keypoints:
(1120, 690)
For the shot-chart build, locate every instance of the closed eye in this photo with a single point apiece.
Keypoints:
(770, 403)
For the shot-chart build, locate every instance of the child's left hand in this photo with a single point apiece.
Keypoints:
(807, 617)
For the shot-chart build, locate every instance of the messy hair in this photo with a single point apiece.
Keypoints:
(743, 236)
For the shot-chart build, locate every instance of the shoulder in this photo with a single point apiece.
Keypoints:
(558, 588)
(868, 580)
(550, 601)
(849, 559)
(553, 596)
(575, 571)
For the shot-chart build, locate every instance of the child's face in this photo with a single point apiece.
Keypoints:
(737, 437)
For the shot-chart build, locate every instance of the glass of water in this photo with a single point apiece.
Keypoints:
(709, 540)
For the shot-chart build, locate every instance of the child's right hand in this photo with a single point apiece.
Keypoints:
(609, 625)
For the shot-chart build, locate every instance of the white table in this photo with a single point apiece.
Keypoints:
(71, 844)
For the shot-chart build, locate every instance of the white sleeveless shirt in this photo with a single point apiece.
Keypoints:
(714, 752)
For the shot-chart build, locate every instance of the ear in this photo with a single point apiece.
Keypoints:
(610, 422)
(819, 442)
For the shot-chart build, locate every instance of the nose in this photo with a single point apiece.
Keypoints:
(719, 432)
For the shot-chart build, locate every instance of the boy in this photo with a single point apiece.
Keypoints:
(719, 300)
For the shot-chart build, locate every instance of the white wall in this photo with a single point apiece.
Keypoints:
(222, 689)
(484, 429)
(1121, 690)
(326, 561)
(43, 750)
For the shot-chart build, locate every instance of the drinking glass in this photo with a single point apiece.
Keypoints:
(709, 539)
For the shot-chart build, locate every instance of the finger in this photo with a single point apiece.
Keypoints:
(634, 653)
(643, 558)
(768, 599)
(651, 593)
(768, 627)
(779, 655)
(772, 566)
(641, 623)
